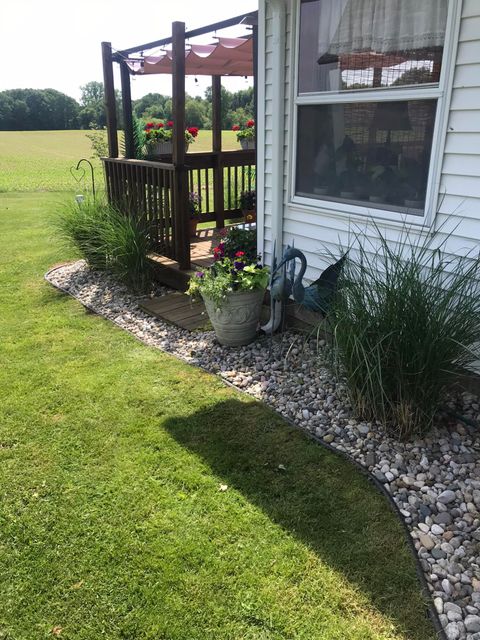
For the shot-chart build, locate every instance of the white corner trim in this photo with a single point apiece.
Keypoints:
(278, 122)
(260, 130)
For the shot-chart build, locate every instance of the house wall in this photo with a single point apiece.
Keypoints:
(318, 230)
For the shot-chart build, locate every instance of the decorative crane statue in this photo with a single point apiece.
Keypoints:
(316, 297)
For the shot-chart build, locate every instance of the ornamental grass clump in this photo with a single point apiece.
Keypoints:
(405, 323)
(108, 240)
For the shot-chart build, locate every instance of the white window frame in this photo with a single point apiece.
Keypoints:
(440, 92)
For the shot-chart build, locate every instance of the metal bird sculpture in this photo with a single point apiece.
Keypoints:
(316, 296)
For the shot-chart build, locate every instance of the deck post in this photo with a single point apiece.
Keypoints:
(127, 110)
(109, 98)
(181, 226)
(218, 187)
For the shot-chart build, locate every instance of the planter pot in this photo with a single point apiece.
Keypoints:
(247, 144)
(236, 321)
(163, 148)
(249, 215)
(193, 227)
(160, 148)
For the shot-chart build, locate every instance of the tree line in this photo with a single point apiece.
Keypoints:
(45, 109)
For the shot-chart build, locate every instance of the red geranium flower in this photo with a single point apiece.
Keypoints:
(235, 127)
(193, 131)
(149, 125)
(239, 254)
(250, 123)
(170, 123)
(160, 125)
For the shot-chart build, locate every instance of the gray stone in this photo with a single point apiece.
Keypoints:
(452, 631)
(370, 459)
(443, 518)
(447, 587)
(451, 606)
(446, 497)
(472, 623)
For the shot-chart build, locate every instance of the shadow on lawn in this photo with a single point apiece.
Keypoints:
(320, 498)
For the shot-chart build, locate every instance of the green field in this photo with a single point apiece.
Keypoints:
(41, 160)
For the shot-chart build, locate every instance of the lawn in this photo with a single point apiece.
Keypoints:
(41, 160)
(142, 499)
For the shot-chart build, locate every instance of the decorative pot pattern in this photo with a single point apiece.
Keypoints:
(247, 144)
(236, 321)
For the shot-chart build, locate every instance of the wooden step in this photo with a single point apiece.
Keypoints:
(168, 272)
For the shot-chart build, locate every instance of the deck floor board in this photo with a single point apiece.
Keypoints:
(178, 309)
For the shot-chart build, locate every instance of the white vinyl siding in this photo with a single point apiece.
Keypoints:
(316, 229)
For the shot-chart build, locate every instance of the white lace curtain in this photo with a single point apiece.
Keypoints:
(383, 26)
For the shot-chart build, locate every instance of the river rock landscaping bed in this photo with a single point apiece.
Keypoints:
(435, 481)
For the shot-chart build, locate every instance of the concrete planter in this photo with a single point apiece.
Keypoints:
(236, 321)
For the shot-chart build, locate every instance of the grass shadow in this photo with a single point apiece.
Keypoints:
(316, 496)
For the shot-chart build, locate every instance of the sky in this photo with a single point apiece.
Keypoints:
(56, 43)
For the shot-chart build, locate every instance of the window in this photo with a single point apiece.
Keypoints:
(368, 86)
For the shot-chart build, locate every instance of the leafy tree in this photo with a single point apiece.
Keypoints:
(92, 93)
(31, 109)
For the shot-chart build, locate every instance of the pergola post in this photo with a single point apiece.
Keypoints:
(127, 110)
(181, 239)
(109, 98)
(218, 187)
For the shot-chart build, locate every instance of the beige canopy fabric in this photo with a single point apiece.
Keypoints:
(227, 57)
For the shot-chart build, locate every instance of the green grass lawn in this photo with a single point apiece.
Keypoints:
(112, 521)
(41, 160)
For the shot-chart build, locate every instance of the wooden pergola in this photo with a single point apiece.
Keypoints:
(157, 192)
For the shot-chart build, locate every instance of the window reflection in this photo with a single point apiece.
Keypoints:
(366, 152)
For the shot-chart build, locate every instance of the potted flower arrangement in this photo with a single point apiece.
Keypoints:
(159, 135)
(246, 134)
(232, 289)
(248, 205)
(194, 207)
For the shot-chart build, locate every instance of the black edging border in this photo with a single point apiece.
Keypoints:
(431, 610)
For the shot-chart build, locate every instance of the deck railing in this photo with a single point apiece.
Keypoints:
(150, 191)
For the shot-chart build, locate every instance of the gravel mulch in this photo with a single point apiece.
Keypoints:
(435, 481)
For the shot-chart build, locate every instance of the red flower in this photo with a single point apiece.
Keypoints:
(160, 125)
(149, 125)
(170, 123)
(239, 254)
(250, 123)
(235, 127)
(193, 131)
